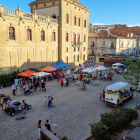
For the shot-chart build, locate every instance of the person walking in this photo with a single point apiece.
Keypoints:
(103, 94)
(24, 105)
(49, 102)
(39, 126)
(62, 82)
(47, 125)
(13, 87)
(58, 77)
(100, 96)
(1, 102)
(18, 89)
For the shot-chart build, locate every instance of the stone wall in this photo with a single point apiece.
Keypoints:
(23, 54)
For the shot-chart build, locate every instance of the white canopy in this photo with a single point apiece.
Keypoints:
(118, 64)
(41, 74)
(89, 70)
(100, 68)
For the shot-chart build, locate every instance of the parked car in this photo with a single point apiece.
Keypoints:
(15, 106)
(6, 98)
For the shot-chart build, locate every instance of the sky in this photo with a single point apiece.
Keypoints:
(102, 11)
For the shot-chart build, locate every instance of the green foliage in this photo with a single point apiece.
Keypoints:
(63, 138)
(111, 122)
(100, 131)
(34, 69)
(117, 118)
(133, 74)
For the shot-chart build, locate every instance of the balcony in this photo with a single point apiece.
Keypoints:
(112, 46)
(92, 46)
(103, 46)
(76, 43)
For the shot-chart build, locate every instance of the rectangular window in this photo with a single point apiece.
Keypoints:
(78, 49)
(84, 38)
(112, 44)
(128, 43)
(78, 39)
(53, 36)
(101, 59)
(84, 48)
(66, 60)
(67, 49)
(102, 52)
(78, 21)
(74, 39)
(133, 44)
(84, 23)
(103, 43)
(74, 59)
(67, 38)
(74, 49)
(122, 44)
(67, 18)
(11, 33)
(111, 51)
(74, 20)
(84, 57)
(92, 44)
(42, 36)
(77, 58)
(29, 34)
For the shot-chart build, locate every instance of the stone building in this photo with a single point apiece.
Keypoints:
(73, 19)
(27, 40)
(101, 43)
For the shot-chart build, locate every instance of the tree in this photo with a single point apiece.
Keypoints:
(133, 74)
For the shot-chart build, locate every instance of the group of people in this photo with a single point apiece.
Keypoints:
(48, 101)
(47, 126)
(29, 86)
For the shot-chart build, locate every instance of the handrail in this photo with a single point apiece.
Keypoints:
(9, 11)
(28, 15)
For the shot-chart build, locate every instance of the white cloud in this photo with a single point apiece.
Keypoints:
(133, 25)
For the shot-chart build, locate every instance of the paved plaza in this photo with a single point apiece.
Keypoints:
(74, 111)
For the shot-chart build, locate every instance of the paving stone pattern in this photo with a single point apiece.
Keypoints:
(74, 111)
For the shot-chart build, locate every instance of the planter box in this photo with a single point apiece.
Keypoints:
(8, 84)
(1, 85)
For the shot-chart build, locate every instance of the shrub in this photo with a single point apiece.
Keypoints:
(63, 138)
(100, 131)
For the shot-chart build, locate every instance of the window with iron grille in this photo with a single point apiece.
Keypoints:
(29, 34)
(84, 38)
(67, 37)
(78, 21)
(11, 33)
(42, 35)
(67, 18)
(53, 36)
(74, 20)
(84, 23)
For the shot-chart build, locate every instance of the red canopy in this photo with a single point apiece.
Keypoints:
(27, 73)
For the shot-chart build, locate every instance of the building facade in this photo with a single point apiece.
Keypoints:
(27, 40)
(101, 43)
(73, 19)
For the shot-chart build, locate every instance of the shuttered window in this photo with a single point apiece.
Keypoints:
(42, 35)
(11, 33)
(29, 34)
(53, 36)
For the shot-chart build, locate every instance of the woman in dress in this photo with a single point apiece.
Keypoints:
(18, 89)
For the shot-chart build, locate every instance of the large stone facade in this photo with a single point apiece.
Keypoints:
(21, 53)
(70, 51)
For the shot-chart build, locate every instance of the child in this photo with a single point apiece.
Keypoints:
(100, 96)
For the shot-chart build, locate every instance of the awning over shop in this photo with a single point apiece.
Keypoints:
(27, 73)
(48, 69)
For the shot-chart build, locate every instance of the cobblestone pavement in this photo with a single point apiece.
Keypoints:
(74, 111)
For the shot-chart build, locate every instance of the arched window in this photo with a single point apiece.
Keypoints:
(11, 33)
(67, 18)
(42, 35)
(54, 16)
(29, 34)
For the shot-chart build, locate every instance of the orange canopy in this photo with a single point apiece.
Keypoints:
(27, 73)
(48, 69)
